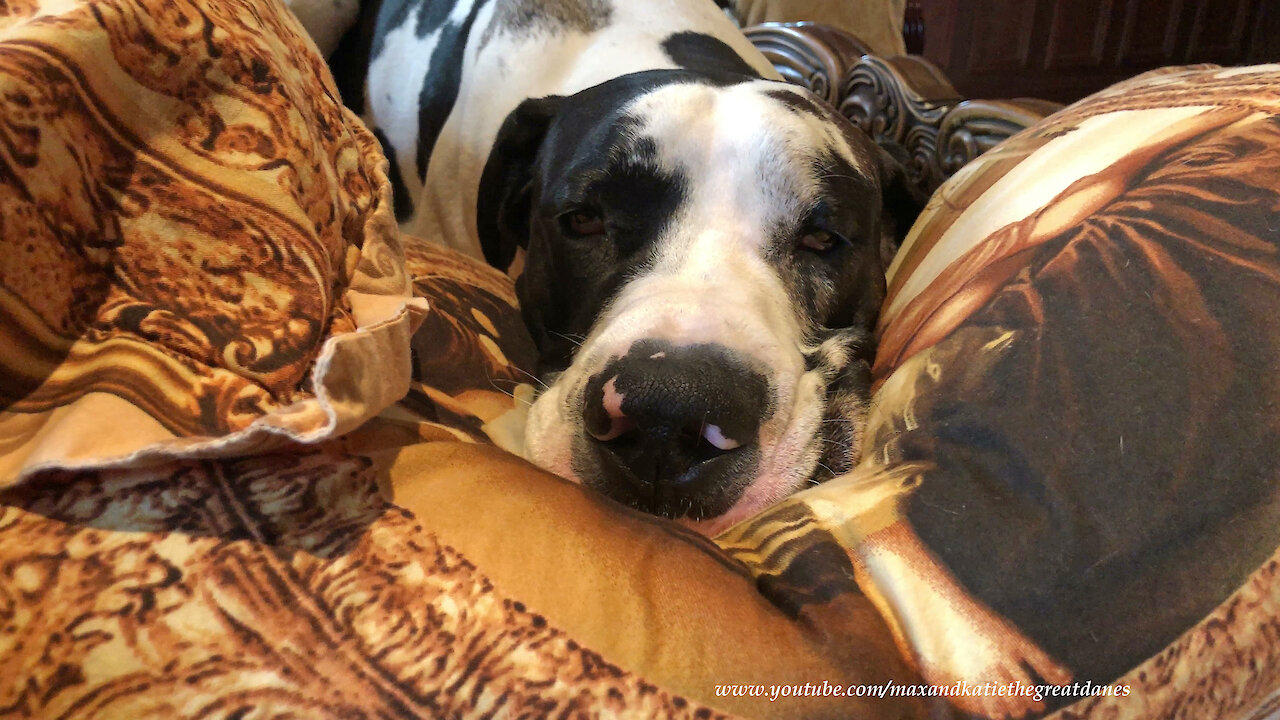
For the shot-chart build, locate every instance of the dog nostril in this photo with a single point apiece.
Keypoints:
(617, 427)
(604, 419)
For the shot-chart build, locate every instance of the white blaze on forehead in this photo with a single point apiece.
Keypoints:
(732, 145)
(747, 159)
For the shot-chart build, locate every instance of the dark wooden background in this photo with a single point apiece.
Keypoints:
(1065, 49)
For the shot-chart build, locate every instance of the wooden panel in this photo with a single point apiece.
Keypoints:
(1150, 32)
(1219, 30)
(913, 28)
(1077, 34)
(1265, 43)
(1063, 50)
(1002, 31)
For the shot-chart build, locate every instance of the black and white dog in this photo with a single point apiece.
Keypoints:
(703, 245)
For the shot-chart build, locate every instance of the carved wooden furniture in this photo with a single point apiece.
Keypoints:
(905, 103)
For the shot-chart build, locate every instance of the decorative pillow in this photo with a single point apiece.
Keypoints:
(1070, 466)
(471, 352)
(193, 260)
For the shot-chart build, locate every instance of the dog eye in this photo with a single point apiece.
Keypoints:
(582, 223)
(819, 241)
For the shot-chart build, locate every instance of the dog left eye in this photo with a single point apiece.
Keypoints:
(583, 223)
(819, 241)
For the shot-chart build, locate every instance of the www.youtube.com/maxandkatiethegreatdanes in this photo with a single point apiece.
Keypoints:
(891, 689)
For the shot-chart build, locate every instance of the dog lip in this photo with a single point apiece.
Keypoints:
(688, 495)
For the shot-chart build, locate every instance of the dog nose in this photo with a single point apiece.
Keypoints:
(663, 415)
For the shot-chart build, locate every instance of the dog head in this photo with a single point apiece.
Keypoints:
(704, 263)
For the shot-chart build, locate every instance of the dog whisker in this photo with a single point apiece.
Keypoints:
(532, 377)
(577, 340)
(493, 383)
(510, 394)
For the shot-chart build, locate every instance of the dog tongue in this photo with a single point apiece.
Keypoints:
(714, 435)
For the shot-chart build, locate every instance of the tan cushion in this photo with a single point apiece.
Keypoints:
(656, 599)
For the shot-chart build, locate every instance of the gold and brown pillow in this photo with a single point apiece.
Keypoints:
(197, 253)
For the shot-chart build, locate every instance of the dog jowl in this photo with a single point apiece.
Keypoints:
(703, 246)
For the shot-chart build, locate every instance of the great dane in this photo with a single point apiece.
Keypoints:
(701, 246)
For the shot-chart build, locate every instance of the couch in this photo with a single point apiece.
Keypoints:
(247, 466)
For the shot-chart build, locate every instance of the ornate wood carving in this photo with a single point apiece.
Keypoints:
(900, 102)
(975, 126)
(808, 54)
(905, 103)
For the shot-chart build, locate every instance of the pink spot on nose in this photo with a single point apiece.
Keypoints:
(612, 398)
(619, 423)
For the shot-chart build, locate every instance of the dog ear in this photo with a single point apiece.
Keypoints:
(545, 305)
(902, 200)
(506, 185)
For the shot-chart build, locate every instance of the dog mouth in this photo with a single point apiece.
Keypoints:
(692, 458)
(684, 477)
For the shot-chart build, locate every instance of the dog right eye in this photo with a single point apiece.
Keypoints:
(582, 223)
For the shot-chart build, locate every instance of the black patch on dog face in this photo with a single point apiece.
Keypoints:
(844, 286)
(557, 155)
(703, 53)
(591, 160)
(523, 17)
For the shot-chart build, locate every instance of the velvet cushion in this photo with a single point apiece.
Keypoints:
(1075, 414)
